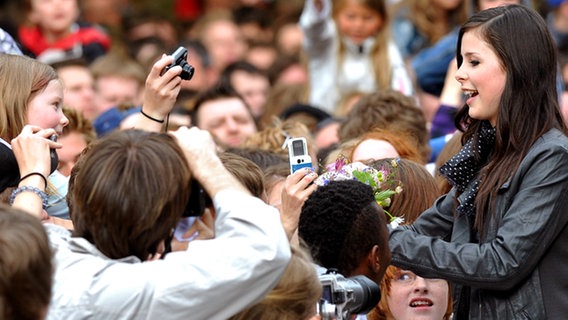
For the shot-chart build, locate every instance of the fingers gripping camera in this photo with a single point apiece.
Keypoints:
(180, 59)
(342, 297)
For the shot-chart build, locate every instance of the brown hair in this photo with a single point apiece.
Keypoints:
(419, 190)
(26, 269)
(246, 171)
(129, 193)
(387, 109)
(21, 78)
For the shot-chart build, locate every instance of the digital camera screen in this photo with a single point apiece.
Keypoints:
(298, 148)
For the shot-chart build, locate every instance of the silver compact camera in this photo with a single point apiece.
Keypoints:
(343, 297)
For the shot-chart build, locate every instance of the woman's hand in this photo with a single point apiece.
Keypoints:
(32, 150)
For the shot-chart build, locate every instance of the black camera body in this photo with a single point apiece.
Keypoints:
(53, 155)
(180, 59)
(198, 201)
(342, 297)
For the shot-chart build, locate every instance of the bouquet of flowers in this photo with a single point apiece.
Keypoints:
(383, 183)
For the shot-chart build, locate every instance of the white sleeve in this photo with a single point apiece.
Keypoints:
(318, 27)
(237, 268)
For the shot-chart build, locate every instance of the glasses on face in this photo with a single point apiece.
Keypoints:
(405, 277)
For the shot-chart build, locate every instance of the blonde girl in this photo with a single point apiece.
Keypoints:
(349, 48)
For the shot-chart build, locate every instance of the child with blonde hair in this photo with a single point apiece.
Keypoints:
(349, 48)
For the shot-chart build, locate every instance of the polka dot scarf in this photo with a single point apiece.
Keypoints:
(462, 170)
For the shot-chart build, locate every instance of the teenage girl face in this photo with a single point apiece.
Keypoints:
(45, 108)
(482, 77)
(358, 22)
(413, 297)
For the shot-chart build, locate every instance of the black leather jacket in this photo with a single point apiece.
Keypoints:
(518, 269)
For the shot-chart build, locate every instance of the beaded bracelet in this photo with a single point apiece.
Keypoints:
(35, 190)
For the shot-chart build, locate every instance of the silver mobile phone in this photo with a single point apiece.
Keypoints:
(298, 154)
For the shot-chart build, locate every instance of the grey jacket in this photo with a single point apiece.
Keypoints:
(518, 269)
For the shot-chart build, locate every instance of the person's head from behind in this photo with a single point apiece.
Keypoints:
(360, 19)
(30, 93)
(387, 109)
(345, 229)
(75, 138)
(26, 268)
(392, 143)
(294, 297)
(53, 17)
(246, 171)
(130, 192)
(224, 113)
(263, 158)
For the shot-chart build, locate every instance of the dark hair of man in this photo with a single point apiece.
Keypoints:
(218, 92)
(340, 223)
(387, 109)
(246, 171)
(529, 102)
(129, 193)
(26, 269)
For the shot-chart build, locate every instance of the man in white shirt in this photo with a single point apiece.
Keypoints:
(127, 196)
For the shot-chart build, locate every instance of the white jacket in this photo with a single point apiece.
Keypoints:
(213, 279)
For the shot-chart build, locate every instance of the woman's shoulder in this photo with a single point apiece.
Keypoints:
(552, 137)
(554, 143)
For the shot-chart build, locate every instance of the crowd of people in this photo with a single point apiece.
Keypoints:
(437, 132)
